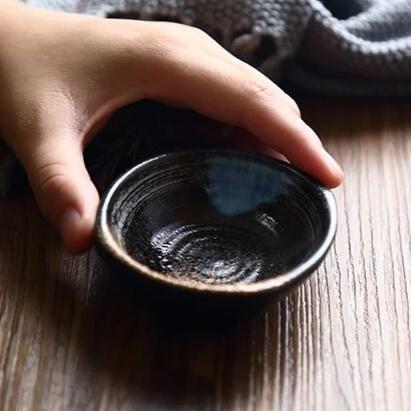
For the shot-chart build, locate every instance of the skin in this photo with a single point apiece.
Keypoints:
(62, 75)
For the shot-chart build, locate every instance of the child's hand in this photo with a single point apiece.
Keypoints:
(62, 75)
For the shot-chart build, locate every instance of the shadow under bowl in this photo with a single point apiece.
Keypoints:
(215, 228)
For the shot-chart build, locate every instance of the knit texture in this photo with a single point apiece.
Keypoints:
(344, 47)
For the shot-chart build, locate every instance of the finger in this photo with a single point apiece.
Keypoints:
(241, 139)
(214, 49)
(210, 46)
(63, 189)
(213, 88)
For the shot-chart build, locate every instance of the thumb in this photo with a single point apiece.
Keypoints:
(63, 189)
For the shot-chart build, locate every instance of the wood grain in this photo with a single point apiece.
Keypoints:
(72, 336)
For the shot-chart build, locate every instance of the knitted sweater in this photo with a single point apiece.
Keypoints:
(345, 47)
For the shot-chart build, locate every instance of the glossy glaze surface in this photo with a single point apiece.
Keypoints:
(219, 218)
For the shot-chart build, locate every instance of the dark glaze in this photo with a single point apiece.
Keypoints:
(221, 218)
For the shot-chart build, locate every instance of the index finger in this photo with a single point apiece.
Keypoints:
(223, 92)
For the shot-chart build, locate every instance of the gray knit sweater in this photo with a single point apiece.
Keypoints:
(336, 47)
(345, 47)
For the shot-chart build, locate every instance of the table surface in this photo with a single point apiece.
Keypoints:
(72, 338)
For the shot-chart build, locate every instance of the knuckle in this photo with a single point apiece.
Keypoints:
(258, 93)
(179, 33)
(294, 106)
(259, 90)
(199, 33)
(167, 44)
(301, 136)
(268, 92)
(51, 179)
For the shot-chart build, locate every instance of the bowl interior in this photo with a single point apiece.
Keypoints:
(218, 218)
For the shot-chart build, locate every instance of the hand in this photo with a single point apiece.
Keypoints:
(62, 75)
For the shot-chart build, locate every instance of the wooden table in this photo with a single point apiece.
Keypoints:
(73, 338)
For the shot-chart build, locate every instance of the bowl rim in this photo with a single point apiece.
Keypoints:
(106, 241)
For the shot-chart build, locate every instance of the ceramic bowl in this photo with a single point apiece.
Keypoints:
(216, 228)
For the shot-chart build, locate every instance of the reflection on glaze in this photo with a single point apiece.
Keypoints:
(267, 221)
(242, 188)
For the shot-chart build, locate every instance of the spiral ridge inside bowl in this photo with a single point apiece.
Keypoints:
(211, 254)
(222, 219)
